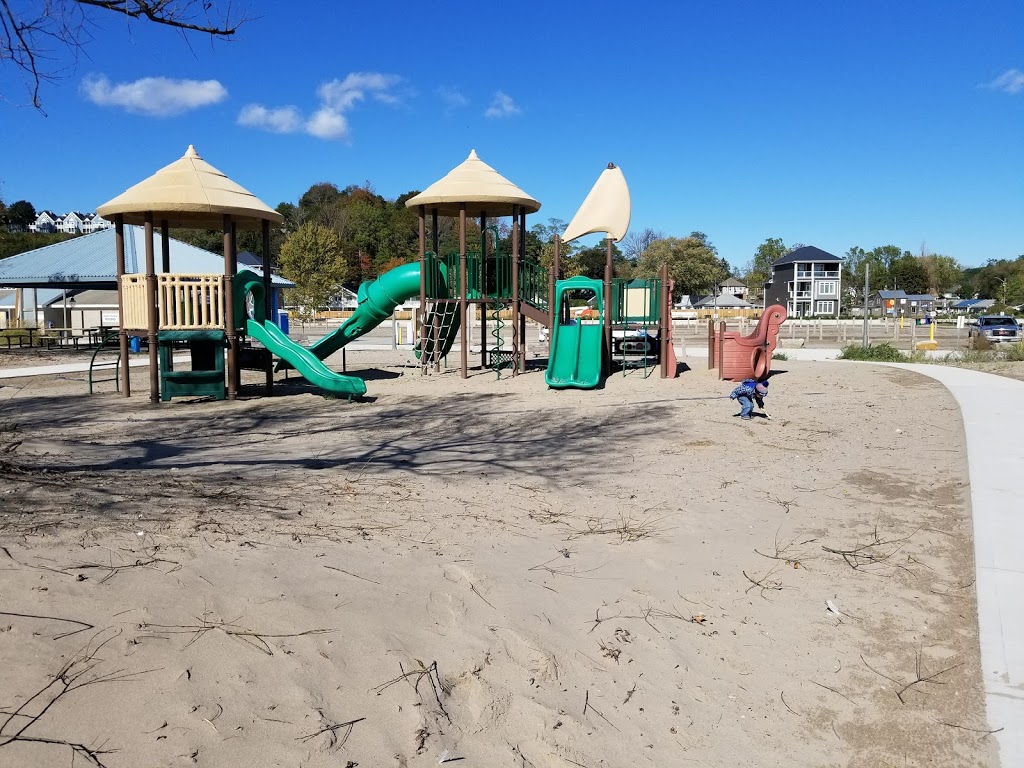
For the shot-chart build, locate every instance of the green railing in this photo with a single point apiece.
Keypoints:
(636, 301)
(533, 285)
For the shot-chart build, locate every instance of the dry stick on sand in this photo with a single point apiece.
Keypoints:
(786, 553)
(919, 677)
(256, 639)
(84, 626)
(587, 705)
(76, 673)
(626, 527)
(332, 729)
(878, 551)
(764, 583)
(430, 673)
(985, 733)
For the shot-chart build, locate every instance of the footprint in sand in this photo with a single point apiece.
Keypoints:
(540, 664)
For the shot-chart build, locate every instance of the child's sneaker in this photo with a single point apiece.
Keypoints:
(745, 418)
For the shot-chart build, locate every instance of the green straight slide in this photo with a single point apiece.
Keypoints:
(575, 359)
(273, 338)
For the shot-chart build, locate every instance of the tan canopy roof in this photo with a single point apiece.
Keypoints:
(606, 209)
(190, 193)
(479, 186)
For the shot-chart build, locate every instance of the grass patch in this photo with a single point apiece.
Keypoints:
(780, 356)
(880, 353)
(1015, 353)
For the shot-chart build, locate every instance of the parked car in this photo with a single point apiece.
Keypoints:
(996, 328)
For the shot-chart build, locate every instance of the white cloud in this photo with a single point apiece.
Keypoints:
(278, 120)
(452, 97)
(154, 96)
(337, 97)
(502, 105)
(342, 95)
(1011, 81)
(327, 123)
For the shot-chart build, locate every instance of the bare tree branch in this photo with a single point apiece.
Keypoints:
(35, 36)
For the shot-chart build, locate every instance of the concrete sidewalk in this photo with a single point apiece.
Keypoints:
(991, 407)
(56, 370)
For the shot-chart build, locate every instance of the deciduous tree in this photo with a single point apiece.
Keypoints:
(312, 258)
(693, 263)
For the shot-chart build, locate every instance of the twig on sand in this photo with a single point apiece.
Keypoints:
(76, 673)
(920, 677)
(430, 673)
(877, 551)
(985, 732)
(764, 583)
(626, 527)
(332, 729)
(84, 626)
(257, 640)
(837, 693)
(782, 695)
(587, 705)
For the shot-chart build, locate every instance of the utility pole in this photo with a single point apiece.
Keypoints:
(867, 272)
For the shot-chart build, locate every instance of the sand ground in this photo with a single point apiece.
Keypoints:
(490, 572)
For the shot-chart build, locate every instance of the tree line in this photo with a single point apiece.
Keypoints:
(339, 237)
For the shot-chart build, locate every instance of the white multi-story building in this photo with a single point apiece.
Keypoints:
(72, 223)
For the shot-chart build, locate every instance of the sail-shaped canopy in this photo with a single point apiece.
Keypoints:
(607, 208)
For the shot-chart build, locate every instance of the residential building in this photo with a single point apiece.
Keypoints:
(733, 287)
(901, 304)
(73, 223)
(807, 282)
(967, 306)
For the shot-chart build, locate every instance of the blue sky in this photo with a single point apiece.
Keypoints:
(828, 124)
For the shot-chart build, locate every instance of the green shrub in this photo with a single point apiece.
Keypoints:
(882, 353)
(780, 356)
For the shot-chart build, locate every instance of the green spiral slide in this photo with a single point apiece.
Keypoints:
(269, 335)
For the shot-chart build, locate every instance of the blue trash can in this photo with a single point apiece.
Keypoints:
(282, 320)
(135, 344)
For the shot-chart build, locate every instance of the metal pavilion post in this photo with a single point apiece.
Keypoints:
(126, 387)
(463, 290)
(552, 279)
(152, 321)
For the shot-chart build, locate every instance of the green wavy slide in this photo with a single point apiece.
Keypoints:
(269, 335)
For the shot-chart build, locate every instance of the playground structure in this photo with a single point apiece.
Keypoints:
(212, 312)
(739, 357)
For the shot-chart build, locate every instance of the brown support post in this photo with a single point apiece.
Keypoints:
(153, 322)
(165, 247)
(522, 319)
(229, 305)
(515, 290)
(463, 290)
(721, 348)
(711, 343)
(666, 320)
(423, 286)
(483, 290)
(126, 382)
(608, 306)
(552, 279)
(267, 303)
